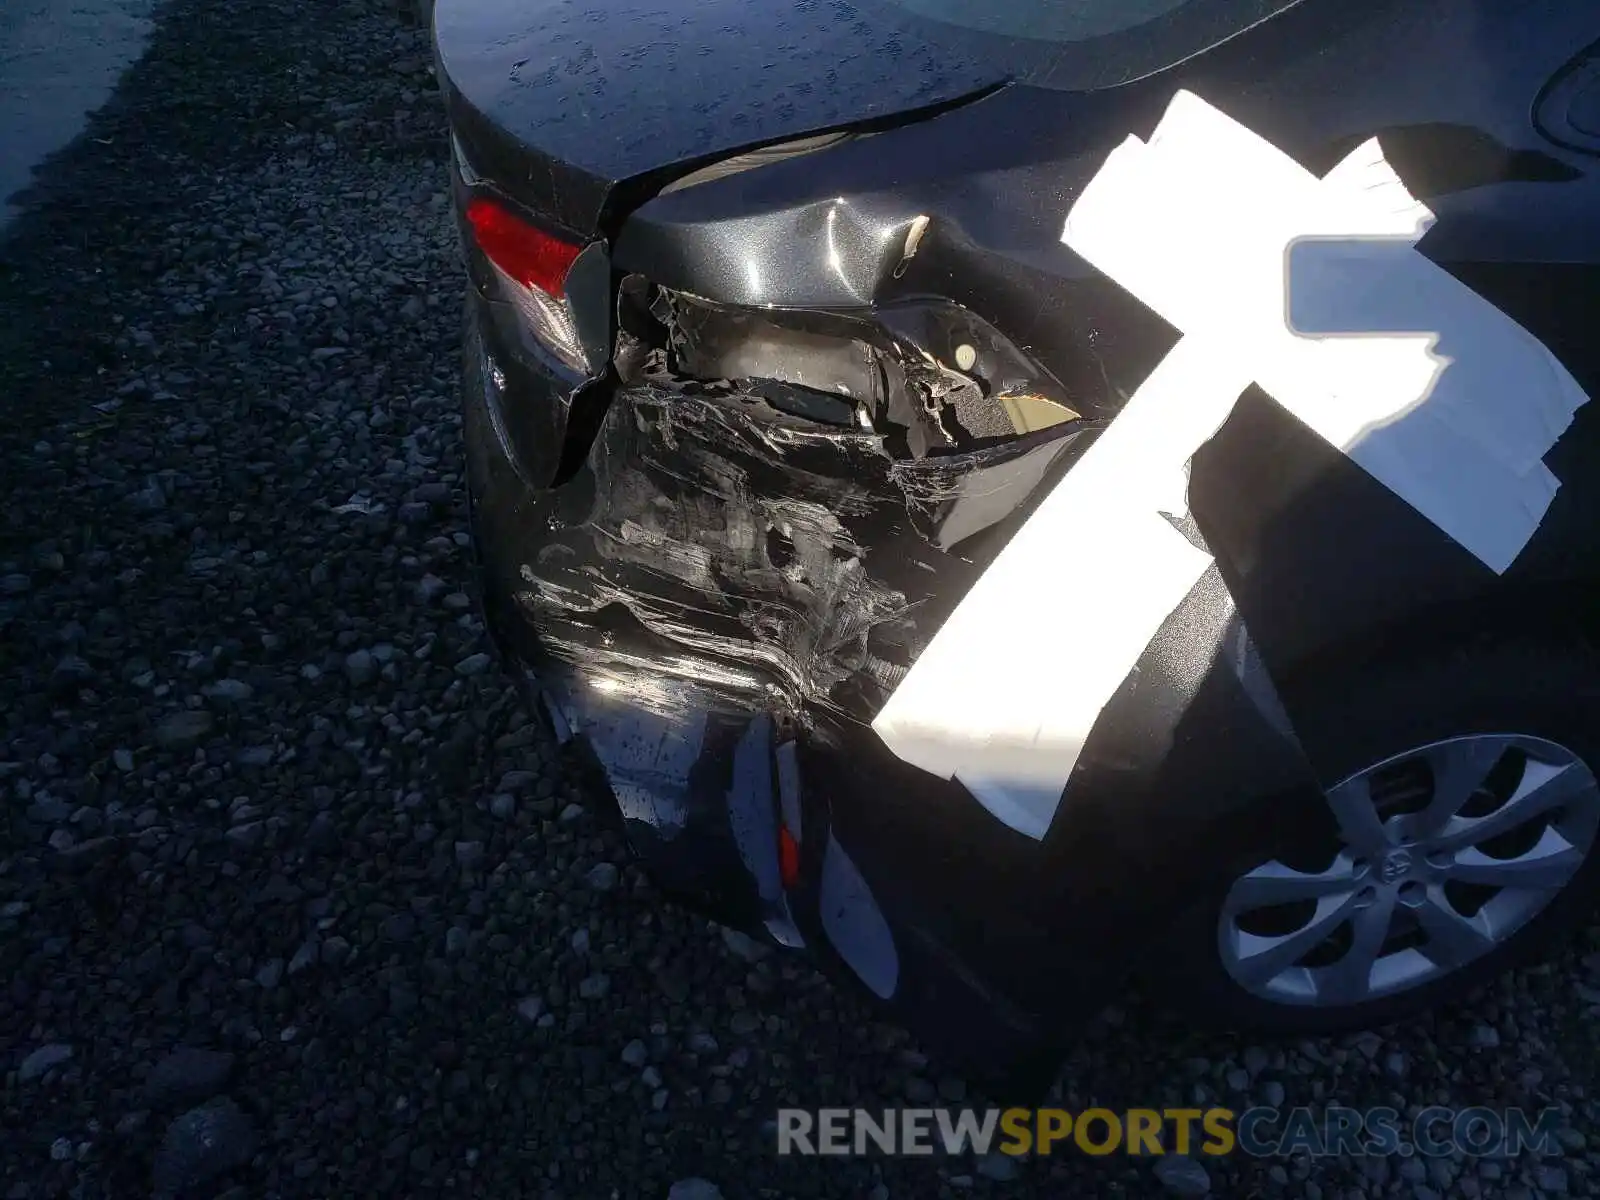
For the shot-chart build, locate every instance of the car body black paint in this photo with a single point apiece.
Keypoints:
(1568, 111)
(619, 91)
(719, 579)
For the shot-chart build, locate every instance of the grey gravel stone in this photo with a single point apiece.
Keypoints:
(235, 690)
(360, 667)
(694, 1189)
(917, 1089)
(399, 927)
(322, 835)
(43, 1060)
(202, 1144)
(1551, 1179)
(187, 1075)
(635, 1054)
(951, 1090)
(248, 835)
(48, 811)
(602, 877)
(1002, 1168)
(182, 730)
(744, 946)
(308, 953)
(1182, 1176)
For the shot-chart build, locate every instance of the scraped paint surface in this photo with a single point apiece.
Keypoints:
(1276, 278)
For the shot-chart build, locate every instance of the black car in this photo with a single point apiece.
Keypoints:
(1015, 494)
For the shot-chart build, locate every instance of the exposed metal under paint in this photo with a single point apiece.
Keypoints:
(771, 584)
(733, 536)
(716, 504)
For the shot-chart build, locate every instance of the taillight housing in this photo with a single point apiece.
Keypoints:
(531, 268)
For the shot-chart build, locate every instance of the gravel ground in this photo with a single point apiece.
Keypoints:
(293, 899)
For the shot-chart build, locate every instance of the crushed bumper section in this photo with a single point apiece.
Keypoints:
(712, 607)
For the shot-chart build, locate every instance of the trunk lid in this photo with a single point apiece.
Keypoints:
(574, 104)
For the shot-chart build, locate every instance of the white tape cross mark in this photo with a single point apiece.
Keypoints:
(1311, 288)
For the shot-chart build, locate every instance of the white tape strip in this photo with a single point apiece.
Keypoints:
(1317, 286)
(1443, 398)
(992, 703)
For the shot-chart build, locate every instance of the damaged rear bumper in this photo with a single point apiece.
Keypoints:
(696, 609)
(717, 601)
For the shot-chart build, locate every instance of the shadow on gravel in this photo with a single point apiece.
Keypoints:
(293, 898)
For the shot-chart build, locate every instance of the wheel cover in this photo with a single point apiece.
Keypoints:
(1444, 852)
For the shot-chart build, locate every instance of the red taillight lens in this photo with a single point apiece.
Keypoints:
(530, 256)
(788, 858)
(531, 267)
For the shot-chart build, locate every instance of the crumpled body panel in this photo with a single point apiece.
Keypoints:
(717, 604)
(804, 567)
(719, 556)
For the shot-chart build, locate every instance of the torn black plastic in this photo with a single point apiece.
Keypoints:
(933, 378)
(709, 536)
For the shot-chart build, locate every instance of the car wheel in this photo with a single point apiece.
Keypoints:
(1461, 834)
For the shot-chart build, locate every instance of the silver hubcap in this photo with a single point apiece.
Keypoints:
(1445, 852)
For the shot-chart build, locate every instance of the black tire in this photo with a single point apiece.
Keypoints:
(1354, 719)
